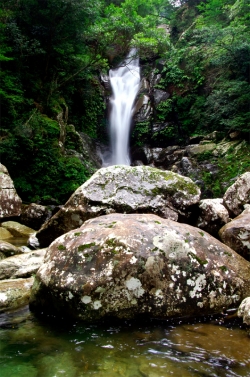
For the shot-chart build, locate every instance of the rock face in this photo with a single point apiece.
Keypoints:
(21, 266)
(124, 189)
(236, 234)
(213, 215)
(124, 265)
(10, 203)
(34, 215)
(244, 311)
(238, 194)
(14, 293)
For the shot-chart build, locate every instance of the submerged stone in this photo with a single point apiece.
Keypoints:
(123, 266)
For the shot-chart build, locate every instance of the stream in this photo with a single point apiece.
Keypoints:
(33, 347)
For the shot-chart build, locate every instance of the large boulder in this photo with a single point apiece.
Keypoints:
(22, 265)
(124, 265)
(236, 234)
(238, 195)
(14, 293)
(124, 189)
(212, 216)
(10, 203)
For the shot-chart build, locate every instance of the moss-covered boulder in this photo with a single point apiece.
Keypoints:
(125, 265)
(124, 189)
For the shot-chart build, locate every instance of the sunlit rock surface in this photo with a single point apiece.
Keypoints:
(124, 189)
(10, 202)
(244, 311)
(17, 229)
(213, 215)
(21, 266)
(238, 195)
(236, 234)
(122, 266)
(5, 234)
(14, 293)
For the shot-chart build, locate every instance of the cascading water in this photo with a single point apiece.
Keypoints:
(125, 81)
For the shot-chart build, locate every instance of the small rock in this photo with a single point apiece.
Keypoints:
(14, 293)
(16, 229)
(21, 266)
(244, 311)
(8, 250)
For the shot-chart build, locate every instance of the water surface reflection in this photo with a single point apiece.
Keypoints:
(31, 347)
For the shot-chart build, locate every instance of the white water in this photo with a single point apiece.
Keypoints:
(125, 81)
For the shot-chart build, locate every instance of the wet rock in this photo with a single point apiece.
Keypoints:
(21, 266)
(159, 96)
(10, 203)
(143, 109)
(34, 215)
(213, 215)
(244, 311)
(236, 234)
(8, 250)
(123, 189)
(14, 293)
(238, 195)
(5, 234)
(17, 230)
(123, 265)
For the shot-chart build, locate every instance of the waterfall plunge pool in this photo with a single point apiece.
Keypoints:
(33, 347)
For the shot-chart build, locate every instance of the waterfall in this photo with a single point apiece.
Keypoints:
(125, 81)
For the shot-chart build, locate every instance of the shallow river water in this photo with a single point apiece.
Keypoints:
(32, 347)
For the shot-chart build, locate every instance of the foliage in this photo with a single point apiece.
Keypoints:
(140, 133)
(51, 54)
(207, 67)
(34, 159)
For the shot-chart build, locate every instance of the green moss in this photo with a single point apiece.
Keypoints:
(223, 268)
(61, 247)
(111, 225)
(199, 260)
(86, 246)
(77, 234)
